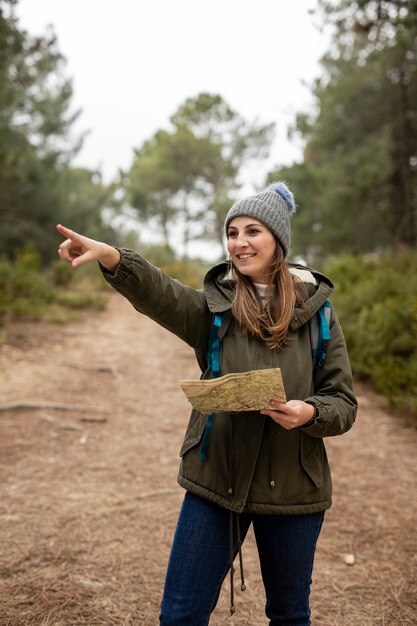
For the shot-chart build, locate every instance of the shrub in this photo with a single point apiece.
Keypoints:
(27, 292)
(82, 301)
(376, 300)
(62, 274)
(189, 271)
(6, 272)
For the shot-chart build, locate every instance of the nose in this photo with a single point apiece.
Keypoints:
(241, 240)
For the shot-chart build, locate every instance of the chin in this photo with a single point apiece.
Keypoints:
(249, 275)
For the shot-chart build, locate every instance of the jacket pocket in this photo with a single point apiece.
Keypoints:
(194, 432)
(312, 458)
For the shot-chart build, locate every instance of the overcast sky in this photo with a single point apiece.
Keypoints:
(133, 62)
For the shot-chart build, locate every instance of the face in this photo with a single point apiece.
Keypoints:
(251, 246)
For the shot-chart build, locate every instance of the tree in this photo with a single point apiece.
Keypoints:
(38, 187)
(239, 141)
(190, 172)
(379, 21)
(383, 38)
(169, 178)
(360, 148)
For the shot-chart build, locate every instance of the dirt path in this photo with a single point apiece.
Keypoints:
(89, 498)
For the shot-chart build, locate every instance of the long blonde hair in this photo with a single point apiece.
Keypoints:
(284, 292)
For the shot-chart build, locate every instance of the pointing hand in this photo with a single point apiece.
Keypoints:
(79, 250)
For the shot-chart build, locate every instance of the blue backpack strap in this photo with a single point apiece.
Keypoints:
(213, 354)
(206, 436)
(320, 334)
(213, 364)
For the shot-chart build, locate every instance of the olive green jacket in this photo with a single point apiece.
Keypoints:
(252, 463)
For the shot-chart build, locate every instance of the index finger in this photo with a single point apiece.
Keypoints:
(70, 234)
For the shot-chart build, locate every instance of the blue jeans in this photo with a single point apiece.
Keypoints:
(200, 560)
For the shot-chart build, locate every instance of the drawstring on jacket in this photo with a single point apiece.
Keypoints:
(231, 456)
(271, 453)
(239, 546)
(232, 551)
(233, 515)
(232, 571)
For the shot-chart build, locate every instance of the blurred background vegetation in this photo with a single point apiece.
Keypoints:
(356, 186)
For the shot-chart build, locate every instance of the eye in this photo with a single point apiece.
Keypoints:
(253, 231)
(232, 234)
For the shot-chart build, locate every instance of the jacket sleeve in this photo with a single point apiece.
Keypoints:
(180, 309)
(333, 392)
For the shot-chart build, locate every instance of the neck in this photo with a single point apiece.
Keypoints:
(261, 288)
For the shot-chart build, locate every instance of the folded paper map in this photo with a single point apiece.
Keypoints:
(248, 391)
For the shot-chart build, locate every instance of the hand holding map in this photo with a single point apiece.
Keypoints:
(247, 391)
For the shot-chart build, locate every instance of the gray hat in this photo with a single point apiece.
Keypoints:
(272, 207)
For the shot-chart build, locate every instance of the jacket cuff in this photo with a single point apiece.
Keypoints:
(315, 417)
(323, 414)
(122, 271)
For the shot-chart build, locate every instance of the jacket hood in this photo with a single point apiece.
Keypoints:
(219, 288)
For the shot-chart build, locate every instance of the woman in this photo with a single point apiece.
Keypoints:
(266, 468)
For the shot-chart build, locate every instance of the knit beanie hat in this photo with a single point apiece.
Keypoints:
(272, 207)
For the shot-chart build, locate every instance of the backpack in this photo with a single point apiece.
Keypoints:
(319, 329)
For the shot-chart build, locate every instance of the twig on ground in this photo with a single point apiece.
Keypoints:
(155, 494)
(93, 368)
(61, 406)
(93, 418)
(61, 424)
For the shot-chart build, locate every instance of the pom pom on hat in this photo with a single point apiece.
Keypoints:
(281, 188)
(273, 207)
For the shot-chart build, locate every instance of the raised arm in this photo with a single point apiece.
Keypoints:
(180, 309)
(79, 250)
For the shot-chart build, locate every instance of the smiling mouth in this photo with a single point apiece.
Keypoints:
(243, 257)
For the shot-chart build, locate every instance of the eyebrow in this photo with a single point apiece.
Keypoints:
(246, 226)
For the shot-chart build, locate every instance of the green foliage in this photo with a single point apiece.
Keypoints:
(82, 300)
(189, 272)
(34, 123)
(61, 273)
(38, 186)
(357, 185)
(186, 176)
(376, 22)
(376, 299)
(5, 287)
(34, 93)
(28, 293)
(169, 179)
(161, 256)
(24, 291)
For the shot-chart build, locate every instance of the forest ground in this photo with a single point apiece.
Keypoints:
(89, 498)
